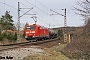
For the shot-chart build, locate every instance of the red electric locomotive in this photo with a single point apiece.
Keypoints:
(36, 32)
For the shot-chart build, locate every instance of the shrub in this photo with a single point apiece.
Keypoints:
(60, 33)
(10, 36)
(1, 37)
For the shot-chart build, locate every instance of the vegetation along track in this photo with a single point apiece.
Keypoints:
(18, 45)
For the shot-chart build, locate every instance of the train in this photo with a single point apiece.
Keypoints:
(37, 32)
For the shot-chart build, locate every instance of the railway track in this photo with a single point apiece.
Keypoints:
(18, 45)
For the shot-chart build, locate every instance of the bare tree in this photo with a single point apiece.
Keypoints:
(22, 25)
(84, 10)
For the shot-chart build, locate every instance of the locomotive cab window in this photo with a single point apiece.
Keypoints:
(31, 28)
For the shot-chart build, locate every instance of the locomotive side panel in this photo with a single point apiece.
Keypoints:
(43, 32)
(35, 31)
(46, 32)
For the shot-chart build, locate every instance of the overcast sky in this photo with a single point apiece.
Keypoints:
(42, 10)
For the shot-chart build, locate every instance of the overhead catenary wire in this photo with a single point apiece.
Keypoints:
(39, 9)
(23, 11)
(21, 3)
(36, 7)
(42, 20)
(8, 5)
(48, 9)
(55, 20)
(42, 4)
(32, 11)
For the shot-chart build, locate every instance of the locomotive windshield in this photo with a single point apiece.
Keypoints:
(31, 28)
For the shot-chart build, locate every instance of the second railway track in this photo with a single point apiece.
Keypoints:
(18, 45)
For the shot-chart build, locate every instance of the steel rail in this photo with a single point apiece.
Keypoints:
(18, 45)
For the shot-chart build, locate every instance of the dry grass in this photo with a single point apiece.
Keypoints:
(79, 47)
(51, 54)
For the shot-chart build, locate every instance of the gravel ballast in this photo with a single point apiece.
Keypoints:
(20, 53)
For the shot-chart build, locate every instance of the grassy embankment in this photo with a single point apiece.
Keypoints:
(50, 54)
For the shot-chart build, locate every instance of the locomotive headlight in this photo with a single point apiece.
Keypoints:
(33, 36)
(33, 31)
(25, 36)
(27, 32)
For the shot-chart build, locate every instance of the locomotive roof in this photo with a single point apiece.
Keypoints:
(37, 25)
